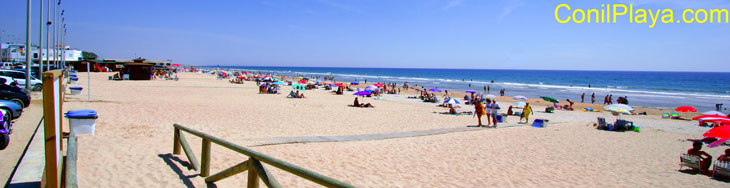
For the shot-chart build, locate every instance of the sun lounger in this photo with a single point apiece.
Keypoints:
(665, 115)
(690, 161)
(721, 168)
(675, 115)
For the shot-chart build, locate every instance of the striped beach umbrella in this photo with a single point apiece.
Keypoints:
(520, 97)
(452, 101)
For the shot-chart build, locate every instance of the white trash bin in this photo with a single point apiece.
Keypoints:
(74, 80)
(82, 122)
(76, 90)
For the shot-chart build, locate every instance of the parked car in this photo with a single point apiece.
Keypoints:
(11, 108)
(19, 76)
(14, 94)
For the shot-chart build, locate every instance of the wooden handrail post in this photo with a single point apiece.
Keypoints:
(205, 159)
(240, 167)
(189, 153)
(253, 176)
(176, 143)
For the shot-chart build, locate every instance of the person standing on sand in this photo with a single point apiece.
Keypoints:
(605, 100)
(582, 97)
(610, 99)
(479, 111)
(593, 98)
(526, 111)
(495, 110)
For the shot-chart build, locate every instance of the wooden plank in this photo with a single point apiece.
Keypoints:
(205, 158)
(240, 167)
(253, 177)
(266, 177)
(176, 142)
(70, 177)
(296, 170)
(189, 153)
(49, 130)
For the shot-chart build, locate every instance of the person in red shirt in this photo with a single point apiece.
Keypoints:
(725, 157)
(706, 159)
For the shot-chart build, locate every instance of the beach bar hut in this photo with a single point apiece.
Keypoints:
(137, 71)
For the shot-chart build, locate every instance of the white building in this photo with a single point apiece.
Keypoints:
(16, 53)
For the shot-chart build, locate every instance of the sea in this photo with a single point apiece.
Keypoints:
(662, 90)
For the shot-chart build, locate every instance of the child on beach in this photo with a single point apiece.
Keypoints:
(495, 110)
(488, 108)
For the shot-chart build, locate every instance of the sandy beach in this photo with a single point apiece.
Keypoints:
(134, 135)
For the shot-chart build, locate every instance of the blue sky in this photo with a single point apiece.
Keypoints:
(480, 34)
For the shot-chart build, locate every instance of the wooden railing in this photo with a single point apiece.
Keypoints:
(70, 170)
(253, 164)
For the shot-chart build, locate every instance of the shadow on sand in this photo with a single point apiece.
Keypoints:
(170, 160)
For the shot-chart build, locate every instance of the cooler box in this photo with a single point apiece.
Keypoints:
(501, 118)
(539, 123)
(76, 90)
(82, 122)
(74, 80)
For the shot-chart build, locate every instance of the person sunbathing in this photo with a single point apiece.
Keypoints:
(362, 105)
(725, 157)
(706, 159)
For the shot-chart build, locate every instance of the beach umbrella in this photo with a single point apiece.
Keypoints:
(549, 99)
(327, 82)
(378, 85)
(720, 132)
(490, 96)
(452, 101)
(617, 110)
(519, 104)
(470, 91)
(520, 97)
(354, 83)
(685, 109)
(434, 90)
(709, 116)
(279, 83)
(176, 65)
(299, 87)
(339, 84)
(316, 80)
(626, 107)
(302, 81)
(361, 93)
(714, 113)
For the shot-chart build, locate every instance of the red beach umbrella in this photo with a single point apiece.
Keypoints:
(709, 116)
(339, 84)
(685, 109)
(378, 85)
(302, 81)
(721, 132)
(176, 65)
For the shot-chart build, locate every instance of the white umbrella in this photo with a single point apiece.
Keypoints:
(714, 113)
(520, 97)
(490, 96)
(618, 106)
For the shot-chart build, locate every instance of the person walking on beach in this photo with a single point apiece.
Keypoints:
(582, 96)
(593, 98)
(718, 107)
(495, 111)
(485, 89)
(488, 89)
(479, 111)
(610, 99)
(488, 108)
(605, 100)
(526, 111)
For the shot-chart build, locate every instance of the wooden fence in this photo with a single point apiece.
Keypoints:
(253, 164)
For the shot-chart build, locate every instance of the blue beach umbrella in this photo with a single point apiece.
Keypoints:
(470, 91)
(518, 104)
(354, 83)
(361, 93)
(452, 101)
(279, 83)
(434, 90)
(520, 97)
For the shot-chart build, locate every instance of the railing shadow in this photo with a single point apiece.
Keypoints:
(169, 158)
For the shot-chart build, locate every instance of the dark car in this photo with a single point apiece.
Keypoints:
(14, 94)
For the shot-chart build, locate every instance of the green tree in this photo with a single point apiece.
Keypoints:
(88, 55)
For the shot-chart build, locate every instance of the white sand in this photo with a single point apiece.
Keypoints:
(134, 139)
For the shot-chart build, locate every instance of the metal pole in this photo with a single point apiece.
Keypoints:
(88, 80)
(48, 34)
(55, 22)
(40, 41)
(28, 51)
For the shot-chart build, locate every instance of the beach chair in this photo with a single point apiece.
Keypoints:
(621, 125)
(721, 168)
(675, 115)
(665, 115)
(690, 161)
